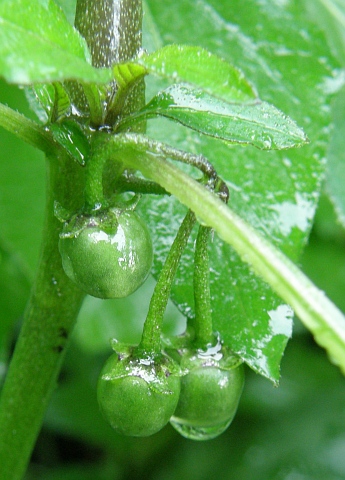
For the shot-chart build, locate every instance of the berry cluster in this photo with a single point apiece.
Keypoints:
(197, 390)
(193, 381)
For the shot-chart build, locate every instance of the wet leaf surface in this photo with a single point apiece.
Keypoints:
(284, 55)
(201, 69)
(257, 123)
(37, 44)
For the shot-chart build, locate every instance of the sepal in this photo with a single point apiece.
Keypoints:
(153, 368)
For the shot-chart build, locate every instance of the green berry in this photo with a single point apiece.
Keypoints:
(210, 393)
(137, 396)
(108, 256)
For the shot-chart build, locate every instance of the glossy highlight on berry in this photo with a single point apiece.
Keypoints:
(108, 256)
(137, 396)
(210, 392)
(208, 402)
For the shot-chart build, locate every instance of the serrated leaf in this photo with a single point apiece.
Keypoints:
(41, 98)
(127, 74)
(62, 103)
(202, 69)
(257, 123)
(49, 101)
(37, 44)
(286, 57)
(317, 312)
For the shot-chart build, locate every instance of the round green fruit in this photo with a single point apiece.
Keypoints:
(108, 257)
(208, 401)
(131, 403)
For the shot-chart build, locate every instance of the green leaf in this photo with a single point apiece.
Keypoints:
(49, 101)
(68, 6)
(202, 69)
(316, 311)
(258, 123)
(287, 58)
(37, 44)
(335, 180)
(71, 137)
(41, 98)
(128, 74)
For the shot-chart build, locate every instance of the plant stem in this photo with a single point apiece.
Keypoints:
(55, 301)
(151, 336)
(113, 32)
(94, 197)
(48, 321)
(202, 323)
(159, 148)
(315, 310)
(25, 129)
(111, 28)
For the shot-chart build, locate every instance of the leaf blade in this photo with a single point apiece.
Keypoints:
(317, 312)
(201, 69)
(257, 123)
(287, 58)
(37, 44)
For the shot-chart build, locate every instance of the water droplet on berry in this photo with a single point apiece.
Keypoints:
(197, 432)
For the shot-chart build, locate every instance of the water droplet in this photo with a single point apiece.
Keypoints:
(197, 432)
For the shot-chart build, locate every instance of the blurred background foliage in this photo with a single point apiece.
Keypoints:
(293, 432)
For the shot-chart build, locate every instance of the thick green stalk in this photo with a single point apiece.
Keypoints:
(113, 32)
(49, 318)
(94, 196)
(54, 304)
(111, 28)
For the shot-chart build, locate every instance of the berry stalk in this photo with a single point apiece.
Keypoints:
(202, 323)
(151, 336)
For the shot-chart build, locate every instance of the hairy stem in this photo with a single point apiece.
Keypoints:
(150, 340)
(55, 302)
(111, 28)
(48, 321)
(113, 32)
(25, 129)
(94, 197)
(202, 324)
